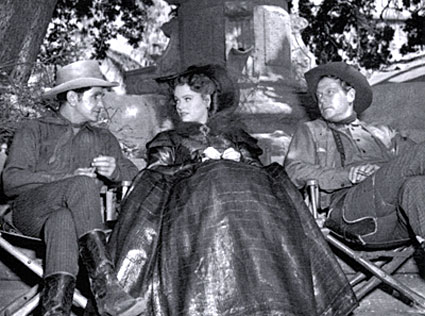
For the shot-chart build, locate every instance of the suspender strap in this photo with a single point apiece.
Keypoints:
(339, 146)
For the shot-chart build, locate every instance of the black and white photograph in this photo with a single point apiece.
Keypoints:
(212, 157)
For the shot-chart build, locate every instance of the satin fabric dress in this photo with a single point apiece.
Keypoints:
(221, 237)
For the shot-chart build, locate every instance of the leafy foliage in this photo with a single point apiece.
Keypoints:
(348, 30)
(21, 101)
(415, 28)
(82, 26)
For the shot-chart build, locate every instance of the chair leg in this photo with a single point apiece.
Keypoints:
(20, 301)
(416, 298)
(31, 264)
(78, 299)
(28, 307)
(389, 268)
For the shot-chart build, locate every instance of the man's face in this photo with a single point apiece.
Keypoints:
(89, 105)
(335, 104)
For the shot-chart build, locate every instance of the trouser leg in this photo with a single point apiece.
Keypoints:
(412, 203)
(45, 206)
(388, 180)
(62, 252)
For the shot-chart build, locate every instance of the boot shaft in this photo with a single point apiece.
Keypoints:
(57, 293)
(92, 247)
(110, 298)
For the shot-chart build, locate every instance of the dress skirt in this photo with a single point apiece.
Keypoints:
(225, 238)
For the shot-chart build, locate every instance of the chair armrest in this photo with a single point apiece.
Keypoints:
(312, 192)
(312, 199)
(111, 197)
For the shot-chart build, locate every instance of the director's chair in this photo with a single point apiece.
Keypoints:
(373, 266)
(26, 250)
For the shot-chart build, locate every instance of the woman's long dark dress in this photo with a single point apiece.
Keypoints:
(222, 237)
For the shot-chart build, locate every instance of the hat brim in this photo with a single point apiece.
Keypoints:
(194, 69)
(347, 73)
(77, 84)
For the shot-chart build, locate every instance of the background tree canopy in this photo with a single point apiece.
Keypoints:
(85, 27)
(347, 30)
(350, 30)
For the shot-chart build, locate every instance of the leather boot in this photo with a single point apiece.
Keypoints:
(110, 298)
(57, 293)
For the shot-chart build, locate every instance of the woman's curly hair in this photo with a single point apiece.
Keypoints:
(202, 84)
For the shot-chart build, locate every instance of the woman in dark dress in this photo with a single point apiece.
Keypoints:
(206, 230)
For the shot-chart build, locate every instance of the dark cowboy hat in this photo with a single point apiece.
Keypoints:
(347, 73)
(227, 90)
(80, 74)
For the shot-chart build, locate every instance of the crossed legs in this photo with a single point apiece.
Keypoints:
(60, 212)
(394, 196)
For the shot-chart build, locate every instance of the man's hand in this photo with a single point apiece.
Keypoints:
(358, 173)
(105, 165)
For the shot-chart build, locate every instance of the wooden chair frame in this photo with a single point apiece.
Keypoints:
(379, 270)
(28, 301)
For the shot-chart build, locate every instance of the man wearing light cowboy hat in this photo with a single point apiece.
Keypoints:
(52, 173)
(371, 178)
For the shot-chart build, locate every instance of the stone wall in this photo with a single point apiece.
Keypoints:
(134, 120)
(400, 105)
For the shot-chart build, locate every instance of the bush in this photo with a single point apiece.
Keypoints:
(19, 101)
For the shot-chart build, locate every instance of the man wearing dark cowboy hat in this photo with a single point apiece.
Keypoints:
(53, 173)
(371, 178)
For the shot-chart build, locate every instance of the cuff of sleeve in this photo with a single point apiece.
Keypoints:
(345, 181)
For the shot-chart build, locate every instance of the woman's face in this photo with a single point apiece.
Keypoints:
(191, 106)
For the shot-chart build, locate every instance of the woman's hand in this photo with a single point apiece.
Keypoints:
(231, 154)
(210, 153)
(358, 173)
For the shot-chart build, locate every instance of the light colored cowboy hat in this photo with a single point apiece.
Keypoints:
(347, 73)
(80, 74)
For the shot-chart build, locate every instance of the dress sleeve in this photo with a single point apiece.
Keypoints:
(248, 147)
(302, 163)
(167, 155)
(160, 151)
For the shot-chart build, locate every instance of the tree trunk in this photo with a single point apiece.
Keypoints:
(23, 25)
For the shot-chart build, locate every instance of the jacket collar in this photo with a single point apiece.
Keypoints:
(57, 119)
